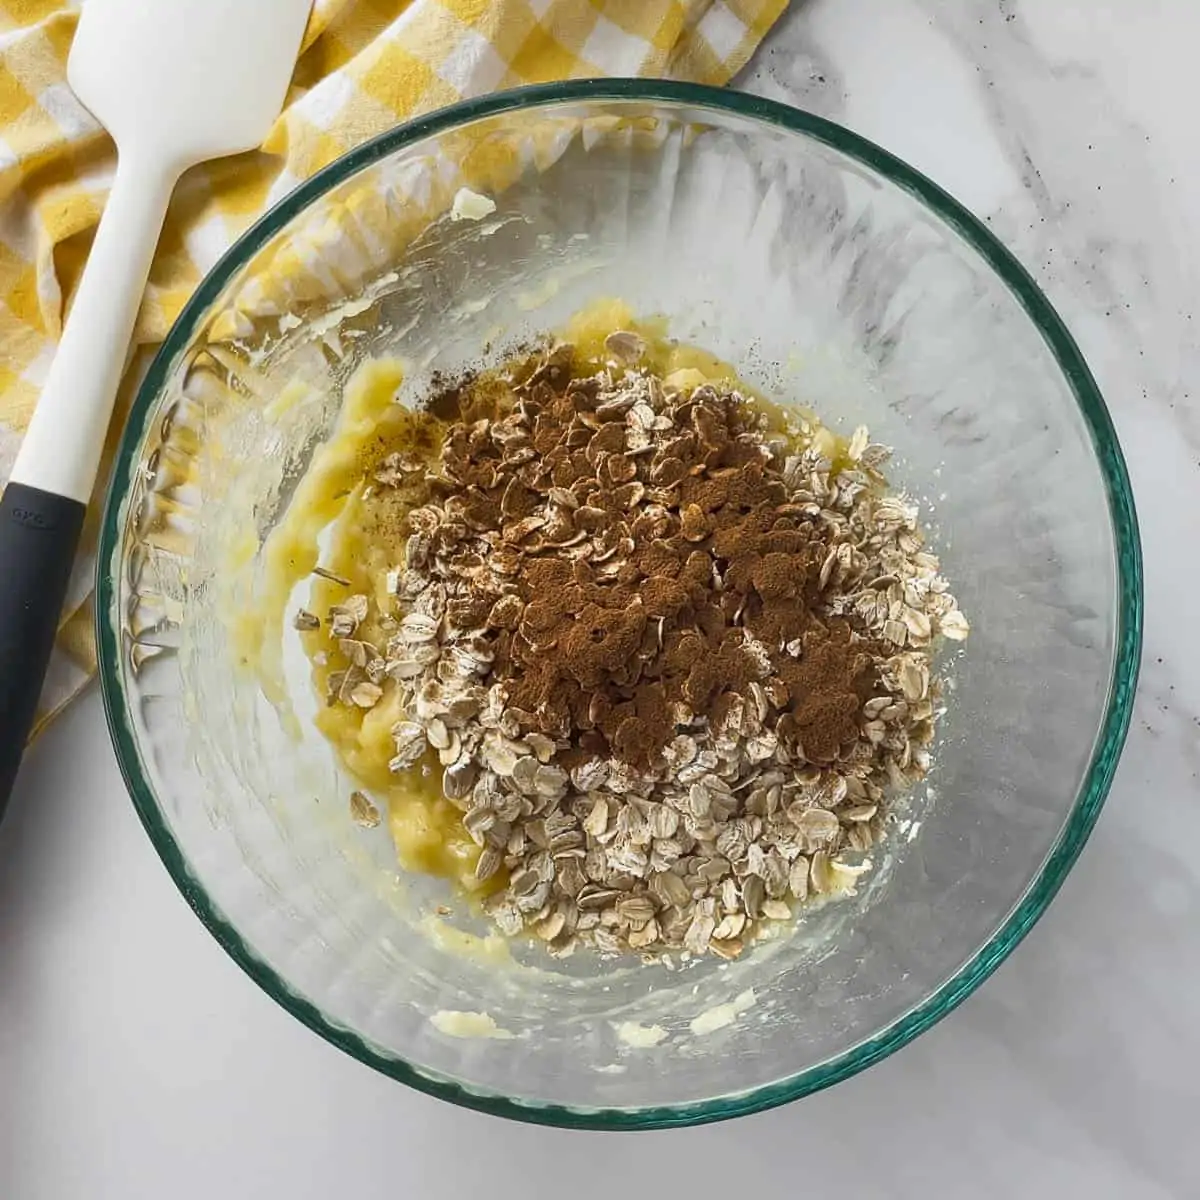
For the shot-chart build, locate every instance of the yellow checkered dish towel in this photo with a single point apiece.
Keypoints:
(364, 66)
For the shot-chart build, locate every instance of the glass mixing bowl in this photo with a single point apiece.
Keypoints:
(831, 275)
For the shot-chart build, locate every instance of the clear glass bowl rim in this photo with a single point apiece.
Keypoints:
(1122, 686)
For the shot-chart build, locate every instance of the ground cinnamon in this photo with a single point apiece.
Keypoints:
(673, 573)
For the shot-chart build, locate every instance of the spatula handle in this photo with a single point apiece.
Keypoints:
(39, 533)
(62, 447)
(43, 506)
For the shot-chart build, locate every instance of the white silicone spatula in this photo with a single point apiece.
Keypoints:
(175, 82)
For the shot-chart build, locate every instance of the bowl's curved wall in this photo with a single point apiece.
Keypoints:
(831, 275)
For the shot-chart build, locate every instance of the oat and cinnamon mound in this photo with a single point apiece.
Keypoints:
(671, 659)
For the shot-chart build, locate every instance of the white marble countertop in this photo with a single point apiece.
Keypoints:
(137, 1061)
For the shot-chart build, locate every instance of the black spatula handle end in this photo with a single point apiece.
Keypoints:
(39, 534)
